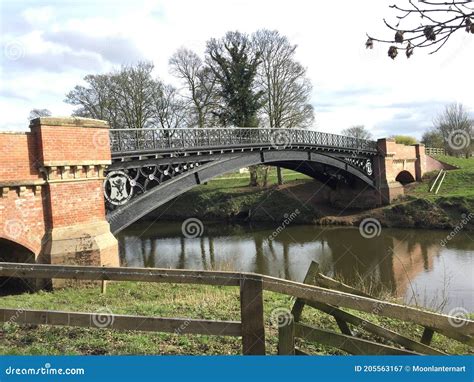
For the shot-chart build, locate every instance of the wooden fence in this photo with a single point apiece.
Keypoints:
(328, 295)
(433, 151)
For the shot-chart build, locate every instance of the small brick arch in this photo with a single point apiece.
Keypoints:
(405, 177)
(15, 251)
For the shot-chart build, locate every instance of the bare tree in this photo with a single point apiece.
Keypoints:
(96, 99)
(169, 109)
(200, 82)
(286, 89)
(125, 98)
(456, 127)
(439, 21)
(133, 93)
(36, 113)
(357, 131)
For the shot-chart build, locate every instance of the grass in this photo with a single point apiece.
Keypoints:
(166, 300)
(457, 183)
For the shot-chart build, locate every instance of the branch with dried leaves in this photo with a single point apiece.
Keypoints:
(439, 20)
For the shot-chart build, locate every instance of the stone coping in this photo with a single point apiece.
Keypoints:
(20, 183)
(69, 122)
(76, 163)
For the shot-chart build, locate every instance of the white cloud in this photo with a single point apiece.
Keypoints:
(352, 85)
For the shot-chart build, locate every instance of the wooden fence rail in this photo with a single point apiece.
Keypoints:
(251, 327)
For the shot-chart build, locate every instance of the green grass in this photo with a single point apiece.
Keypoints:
(165, 300)
(457, 183)
(237, 180)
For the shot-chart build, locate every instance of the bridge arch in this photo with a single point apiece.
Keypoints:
(317, 165)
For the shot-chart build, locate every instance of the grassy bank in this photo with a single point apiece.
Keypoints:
(165, 300)
(228, 198)
(458, 183)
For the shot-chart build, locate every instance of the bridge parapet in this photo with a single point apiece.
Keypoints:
(142, 141)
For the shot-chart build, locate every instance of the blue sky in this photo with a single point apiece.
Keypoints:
(49, 46)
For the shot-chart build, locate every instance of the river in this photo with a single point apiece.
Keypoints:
(411, 265)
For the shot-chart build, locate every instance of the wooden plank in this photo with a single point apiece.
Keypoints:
(458, 336)
(180, 276)
(286, 339)
(343, 327)
(446, 332)
(427, 336)
(298, 306)
(300, 352)
(311, 276)
(122, 322)
(103, 288)
(349, 344)
(375, 329)
(365, 304)
(329, 283)
(251, 310)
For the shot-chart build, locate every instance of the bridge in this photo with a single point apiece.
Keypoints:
(153, 166)
(69, 184)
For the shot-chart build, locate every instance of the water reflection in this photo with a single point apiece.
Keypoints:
(410, 264)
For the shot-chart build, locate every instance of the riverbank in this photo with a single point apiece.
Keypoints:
(165, 300)
(229, 199)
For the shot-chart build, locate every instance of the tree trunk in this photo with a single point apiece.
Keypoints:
(253, 176)
(279, 177)
(265, 176)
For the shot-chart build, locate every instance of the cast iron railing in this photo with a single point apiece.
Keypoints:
(163, 140)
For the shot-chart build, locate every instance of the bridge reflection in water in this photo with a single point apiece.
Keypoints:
(409, 264)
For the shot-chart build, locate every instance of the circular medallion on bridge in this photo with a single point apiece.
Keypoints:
(118, 188)
(368, 167)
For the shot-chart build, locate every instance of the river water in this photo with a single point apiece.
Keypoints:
(409, 264)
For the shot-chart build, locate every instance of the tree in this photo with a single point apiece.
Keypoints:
(234, 62)
(129, 98)
(456, 127)
(36, 113)
(169, 110)
(432, 138)
(433, 22)
(286, 89)
(404, 140)
(357, 131)
(200, 82)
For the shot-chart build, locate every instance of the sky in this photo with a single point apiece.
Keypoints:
(49, 46)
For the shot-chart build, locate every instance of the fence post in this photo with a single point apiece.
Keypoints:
(251, 311)
(286, 339)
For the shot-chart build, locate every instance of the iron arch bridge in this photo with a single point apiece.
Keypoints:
(152, 166)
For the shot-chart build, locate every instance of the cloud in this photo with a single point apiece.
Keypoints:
(62, 43)
(114, 48)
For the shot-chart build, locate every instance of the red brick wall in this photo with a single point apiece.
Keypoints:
(87, 205)
(73, 145)
(19, 157)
